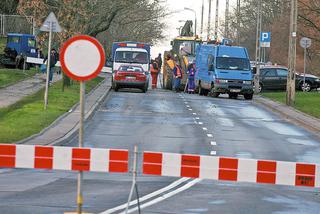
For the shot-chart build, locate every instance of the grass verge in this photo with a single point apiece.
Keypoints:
(11, 76)
(307, 102)
(27, 117)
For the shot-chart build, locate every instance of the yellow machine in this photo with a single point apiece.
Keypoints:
(182, 52)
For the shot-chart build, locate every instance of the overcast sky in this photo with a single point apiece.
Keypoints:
(173, 20)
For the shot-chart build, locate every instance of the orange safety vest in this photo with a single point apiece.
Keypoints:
(179, 73)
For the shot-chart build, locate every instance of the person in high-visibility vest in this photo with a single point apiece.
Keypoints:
(154, 68)
(191, 81)
(177, 72)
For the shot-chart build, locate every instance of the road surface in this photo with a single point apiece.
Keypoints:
(169, 122)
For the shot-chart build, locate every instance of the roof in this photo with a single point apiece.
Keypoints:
(20, 35)
(273, 66)
(232, 51)
(188, 38)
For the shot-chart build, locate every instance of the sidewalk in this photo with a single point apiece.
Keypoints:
(18, 91)
(297, 117)
(66, 127)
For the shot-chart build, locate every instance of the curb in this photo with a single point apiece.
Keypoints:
(273, 106)
(74, 131)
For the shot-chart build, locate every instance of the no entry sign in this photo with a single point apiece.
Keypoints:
(82, 57)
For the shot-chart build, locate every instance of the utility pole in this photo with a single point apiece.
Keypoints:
(202, 9)
(258, 50)
(209, 19)
(217, 20)
(291, 81)
(226, 28)
(238, 21)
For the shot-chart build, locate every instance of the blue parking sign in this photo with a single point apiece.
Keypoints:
(265, 39)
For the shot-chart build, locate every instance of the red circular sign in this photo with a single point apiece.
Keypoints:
(82, 57)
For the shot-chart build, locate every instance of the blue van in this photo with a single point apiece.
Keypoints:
(223, 69)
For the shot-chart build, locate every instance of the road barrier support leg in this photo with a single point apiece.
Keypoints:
(134, 180)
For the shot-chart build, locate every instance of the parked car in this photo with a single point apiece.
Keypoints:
(130, 76)
(275, 78)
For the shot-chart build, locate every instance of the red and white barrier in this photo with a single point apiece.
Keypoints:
(63, 158)
(231, 169)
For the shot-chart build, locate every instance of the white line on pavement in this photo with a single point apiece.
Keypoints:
(146, 197)
(213, 153)
(194, 113)
(204, 128)
(213, 143)
(200, 123)
(210, 135)
(188, 106)
(165, 196)
(197, 118)
(190, 109)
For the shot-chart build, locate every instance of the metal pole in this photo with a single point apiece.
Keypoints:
(195, 25)
(202, 9)
(290, 99)
(134, 177)
(226, 28)
(48, 69)
(33, 27)
(209, 19)
(217, 20)
(81, 134)
(238, 21)
(304, 68)
(258, 32)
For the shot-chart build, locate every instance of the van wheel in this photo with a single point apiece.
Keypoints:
(116, 88)
(248, 96)
(233, 95)
(202, 91)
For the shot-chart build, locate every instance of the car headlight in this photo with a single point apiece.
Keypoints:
(247, 82)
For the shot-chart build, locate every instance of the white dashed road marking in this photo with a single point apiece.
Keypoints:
(213, 153)
(205, 129)
(210, 135)
(213, 143)
(200, 123)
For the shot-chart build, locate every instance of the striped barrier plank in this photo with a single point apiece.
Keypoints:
(231, 169)
(63, 158)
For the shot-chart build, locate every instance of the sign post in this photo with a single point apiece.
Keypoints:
(50, 25)
(82, 58)
(305, 43)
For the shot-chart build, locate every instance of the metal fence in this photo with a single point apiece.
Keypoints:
(16, 24)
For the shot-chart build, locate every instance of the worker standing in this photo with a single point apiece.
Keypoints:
(154, 68)
(177, 72)
(191, 82)
(159, 61)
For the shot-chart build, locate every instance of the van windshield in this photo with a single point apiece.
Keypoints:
(131, 57)
(230, 63)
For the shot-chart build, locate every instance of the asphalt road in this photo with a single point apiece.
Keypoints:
(168, 122)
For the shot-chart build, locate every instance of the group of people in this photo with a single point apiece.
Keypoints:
(155, 68)
(178, 75)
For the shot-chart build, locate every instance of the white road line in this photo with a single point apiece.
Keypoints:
(213, 153)
(210, 135)
(188, 106)
(213, 143)
(197, 118)
(146, 197)
(165, 196)
(194, 113)
(200, 123)
(185, 102)
(190, 109)
(204, 128)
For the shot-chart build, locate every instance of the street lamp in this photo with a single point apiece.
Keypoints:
(195, 19)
